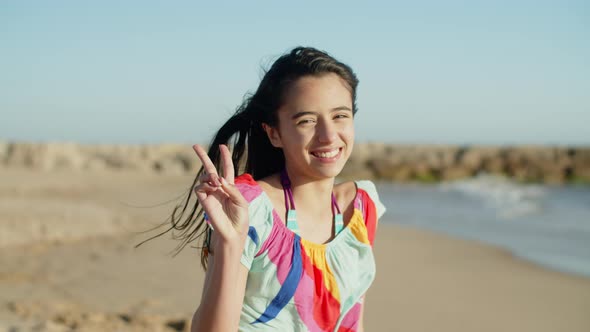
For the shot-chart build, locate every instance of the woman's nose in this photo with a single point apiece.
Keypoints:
(326, 132)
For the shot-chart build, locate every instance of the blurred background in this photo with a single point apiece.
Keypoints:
(473, 121)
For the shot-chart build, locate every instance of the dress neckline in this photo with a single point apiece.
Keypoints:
(308, 243)
(291, 211)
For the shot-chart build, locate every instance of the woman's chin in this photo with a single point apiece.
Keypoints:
(328, 171)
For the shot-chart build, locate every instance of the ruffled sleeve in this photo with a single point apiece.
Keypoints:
(260, 217)
(371, 207)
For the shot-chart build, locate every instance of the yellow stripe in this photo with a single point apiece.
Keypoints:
(317, 254)
(358, 228)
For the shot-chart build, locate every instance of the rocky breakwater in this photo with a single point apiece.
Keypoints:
(162, 158)
(429, 163)
(390, 162)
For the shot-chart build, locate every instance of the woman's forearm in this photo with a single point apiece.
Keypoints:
(221, 301)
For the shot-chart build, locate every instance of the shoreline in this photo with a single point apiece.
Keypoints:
(522, 258)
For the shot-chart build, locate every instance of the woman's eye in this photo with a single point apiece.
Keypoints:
(305, 121)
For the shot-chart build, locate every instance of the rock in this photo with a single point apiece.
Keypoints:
(50, 326)
(360, 154)
(387, 170)
(22, 154)
(4, 149)
(356, 170)
(581, 165)
(373, 160)
(170, 166)
(424, 173)
(455, 173)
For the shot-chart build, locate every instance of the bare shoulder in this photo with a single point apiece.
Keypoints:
(269, 182)
(271, 185)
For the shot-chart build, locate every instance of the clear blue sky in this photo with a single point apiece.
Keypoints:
(467, 72)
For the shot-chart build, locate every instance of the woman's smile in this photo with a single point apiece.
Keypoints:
(327, 156)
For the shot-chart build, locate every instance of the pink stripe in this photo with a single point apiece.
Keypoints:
(357, 201)
(248, 191)
(351, 320)
(304, 302)
(279, 247)
(273, 233)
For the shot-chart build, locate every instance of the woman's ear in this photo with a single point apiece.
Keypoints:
(273, 135)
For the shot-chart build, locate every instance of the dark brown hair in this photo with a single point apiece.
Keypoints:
(252, 150)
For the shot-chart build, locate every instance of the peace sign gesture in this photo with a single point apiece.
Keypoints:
(225, 206)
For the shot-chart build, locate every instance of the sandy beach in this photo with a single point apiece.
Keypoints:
(68, 263)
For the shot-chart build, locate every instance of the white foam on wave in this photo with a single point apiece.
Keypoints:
(509, 199)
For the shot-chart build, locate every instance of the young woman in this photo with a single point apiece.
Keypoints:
(286, 249)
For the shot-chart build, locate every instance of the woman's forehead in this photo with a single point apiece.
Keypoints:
(318, 94)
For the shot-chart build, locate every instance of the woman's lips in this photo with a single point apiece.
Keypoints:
(327, 156)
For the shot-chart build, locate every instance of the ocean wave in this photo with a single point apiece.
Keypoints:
(509, 199)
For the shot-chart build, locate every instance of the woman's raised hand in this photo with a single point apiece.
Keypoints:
(225, 206)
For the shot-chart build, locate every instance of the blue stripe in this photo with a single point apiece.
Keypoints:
(252, 234)
(288, 288)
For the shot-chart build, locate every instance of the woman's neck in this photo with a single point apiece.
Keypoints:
(308, 192)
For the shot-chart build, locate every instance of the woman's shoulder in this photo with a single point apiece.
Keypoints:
(260, 208)
(249, 188)
(268, 189)
(349, 189)
(367, 186)
(368, 191)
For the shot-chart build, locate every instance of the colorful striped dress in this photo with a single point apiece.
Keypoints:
(297, 285)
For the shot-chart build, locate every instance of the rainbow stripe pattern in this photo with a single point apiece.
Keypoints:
(297, 285)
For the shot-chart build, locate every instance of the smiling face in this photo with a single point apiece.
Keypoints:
(315, 126)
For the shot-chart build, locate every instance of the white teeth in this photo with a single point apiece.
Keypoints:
(330, 154)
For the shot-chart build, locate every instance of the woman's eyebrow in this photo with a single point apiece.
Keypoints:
(341, 108)
(304, 113)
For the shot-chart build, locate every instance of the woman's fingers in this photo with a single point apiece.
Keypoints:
(228, 165)
(219, 197)
(208, 165)
(233, 193)
(211, 179)
(211, 205)
(214, 211)
(204, 189)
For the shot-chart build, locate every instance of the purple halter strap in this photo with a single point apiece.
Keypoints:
(290, 206)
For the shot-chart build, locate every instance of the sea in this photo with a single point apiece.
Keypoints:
(545, 224)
